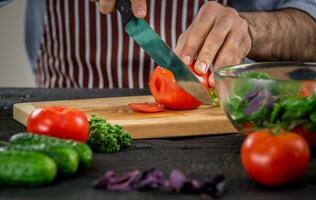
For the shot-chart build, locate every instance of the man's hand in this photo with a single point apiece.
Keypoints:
(138, 6)
(217, 37)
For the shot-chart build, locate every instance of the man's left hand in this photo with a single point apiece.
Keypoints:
(217, 37)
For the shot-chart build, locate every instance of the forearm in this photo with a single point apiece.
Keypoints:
(282, 35)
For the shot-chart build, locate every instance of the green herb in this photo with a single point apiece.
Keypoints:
(275, 112)
(287, 109)
(284, 88)
(294, 108)
(256, 75)
(246, 82)
(107, 138)
(237, 106)
(214, 97)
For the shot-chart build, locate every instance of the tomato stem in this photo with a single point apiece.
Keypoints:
(275, 129)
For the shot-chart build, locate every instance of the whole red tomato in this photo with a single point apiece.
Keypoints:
(275, 159)
(61, 122)
(166, 91)
(309, 136)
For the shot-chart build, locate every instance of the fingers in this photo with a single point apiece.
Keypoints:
(212, 44)
(218, 36)
(235, 48)
(180, 44)
(139, 8)
(199, 30)
(182, 41)
(107, 6)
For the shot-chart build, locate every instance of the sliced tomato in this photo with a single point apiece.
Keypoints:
(166, 91)
(146, 107)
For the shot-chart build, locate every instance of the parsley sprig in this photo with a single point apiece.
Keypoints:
(107, 138)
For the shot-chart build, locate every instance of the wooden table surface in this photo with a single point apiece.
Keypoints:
(195, 156)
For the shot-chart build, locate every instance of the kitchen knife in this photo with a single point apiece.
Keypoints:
(158, 50)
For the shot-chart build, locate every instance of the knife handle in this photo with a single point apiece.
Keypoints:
(124, 6)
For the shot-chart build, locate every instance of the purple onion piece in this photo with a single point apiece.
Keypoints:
(176, 180)
(192, 187)
(150, 179)
(154, 179)
(271, 100)
(252, 94)
(113, 182)
(263, 98)
(214, 187)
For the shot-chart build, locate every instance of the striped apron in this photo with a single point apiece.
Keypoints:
(82, 48)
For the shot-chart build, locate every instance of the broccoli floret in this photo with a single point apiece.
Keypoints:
(107, 138)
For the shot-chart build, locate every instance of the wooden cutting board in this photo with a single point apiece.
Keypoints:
(202, 121)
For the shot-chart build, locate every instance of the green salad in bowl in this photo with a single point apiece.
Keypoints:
(270, 95)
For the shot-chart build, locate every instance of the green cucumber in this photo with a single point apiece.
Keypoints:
(83, 150)
(18, 168)
(66, 158)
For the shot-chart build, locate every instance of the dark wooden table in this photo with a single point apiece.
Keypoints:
(196, 156)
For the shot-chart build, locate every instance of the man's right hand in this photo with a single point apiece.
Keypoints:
(138, 6)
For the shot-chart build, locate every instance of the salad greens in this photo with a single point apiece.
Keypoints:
(272, 103)
(107, 138)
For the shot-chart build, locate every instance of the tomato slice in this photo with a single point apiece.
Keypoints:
(166, 91)
(147, 107)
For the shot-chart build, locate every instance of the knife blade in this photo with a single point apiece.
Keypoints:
(141, 32)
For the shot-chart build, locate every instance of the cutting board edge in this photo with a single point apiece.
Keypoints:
(139, 136)
(202, 127)
(17, 111)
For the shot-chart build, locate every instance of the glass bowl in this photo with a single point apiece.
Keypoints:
(269, 94)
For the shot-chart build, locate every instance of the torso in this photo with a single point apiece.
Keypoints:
(83, 48)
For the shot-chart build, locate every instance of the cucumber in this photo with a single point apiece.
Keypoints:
(83, 150)
(66, 158)
(18, 168)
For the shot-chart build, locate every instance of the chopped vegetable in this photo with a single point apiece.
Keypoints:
(154, 179)
(150, 179)
(279, 103)
(113, 182)
(107, 138)
(166, 91)
(147, 107)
